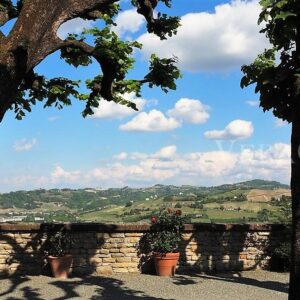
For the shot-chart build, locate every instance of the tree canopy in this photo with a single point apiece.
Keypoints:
(276, 71)
(34, 37)
(276, 74)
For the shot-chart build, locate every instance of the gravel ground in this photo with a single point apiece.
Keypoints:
(254, 285)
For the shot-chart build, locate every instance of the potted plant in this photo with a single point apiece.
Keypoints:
(56, 249)
(163, 240)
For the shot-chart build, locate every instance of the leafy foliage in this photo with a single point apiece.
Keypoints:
(114, 55)
(165, 233)
(275, 81)
(57, 243)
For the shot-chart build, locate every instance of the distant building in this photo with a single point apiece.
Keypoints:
(13, 219)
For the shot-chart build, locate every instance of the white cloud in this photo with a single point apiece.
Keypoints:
(190, 111)
(112, 110)
(128, 21)
(219, 41)
(23, 181)
(121, 156)
(74, 26)
(168, 166)
(166, 152)
(59, 174)
(24, 145)
(280, 123)
(237, 129)
(253, 103)
(154, 121)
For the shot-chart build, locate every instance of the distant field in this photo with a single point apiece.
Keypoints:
(258, 195)
(248, 206)
(235, 212)
(245, 202)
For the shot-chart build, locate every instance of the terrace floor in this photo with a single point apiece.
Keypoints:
(252, 285)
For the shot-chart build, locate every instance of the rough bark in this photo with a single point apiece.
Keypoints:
(294, 291)
(34, 37)
(294, 288)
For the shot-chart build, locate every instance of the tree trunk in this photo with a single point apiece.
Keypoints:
(294, 289)
(12, 72)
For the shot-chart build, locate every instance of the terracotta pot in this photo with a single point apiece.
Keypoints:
(165, 263)
(60, 266)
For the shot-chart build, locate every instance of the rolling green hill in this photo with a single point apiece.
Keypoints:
(229, 202)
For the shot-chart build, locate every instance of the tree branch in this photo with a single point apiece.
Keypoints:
(146, 8)
(7, 12)
(105, 88)
(86, 48)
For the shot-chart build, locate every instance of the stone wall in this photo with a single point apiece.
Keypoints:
(107, 249)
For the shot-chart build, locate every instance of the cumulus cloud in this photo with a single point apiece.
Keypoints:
(59, 174)
(190, 111)
(74, 26)
(167, 152)
(121, 156)
(168, 166)
(128, 21)
(24, 145)
(218, 41)
(112, 110)
(153, 121)
(237, 129)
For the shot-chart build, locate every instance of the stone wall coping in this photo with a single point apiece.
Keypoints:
(101, 227)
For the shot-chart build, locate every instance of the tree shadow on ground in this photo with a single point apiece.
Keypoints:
(105, 288)
(218, 248)
(183, 280)
(26, 258)
(230, 277)
(221, 251)
(190, 278)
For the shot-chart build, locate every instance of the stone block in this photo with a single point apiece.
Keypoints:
(104, 270)
(109, 260)
(132, 240)
(125, 264)
(117, 255)
(103, 255)
(115, 240)
(113, 250)
(103, 251)
(132, 254)
(128, 250)
(135, 259)
(133, 270)
(133, 234)
(117, 235)
(120, 270)
(123, 259)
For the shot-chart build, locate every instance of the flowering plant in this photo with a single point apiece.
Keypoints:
(165, 232)
(57, 243)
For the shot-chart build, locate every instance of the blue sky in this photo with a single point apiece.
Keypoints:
(207, 132)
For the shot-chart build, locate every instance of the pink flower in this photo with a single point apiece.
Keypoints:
(170, 210)
(178, 212)
(153, 219)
